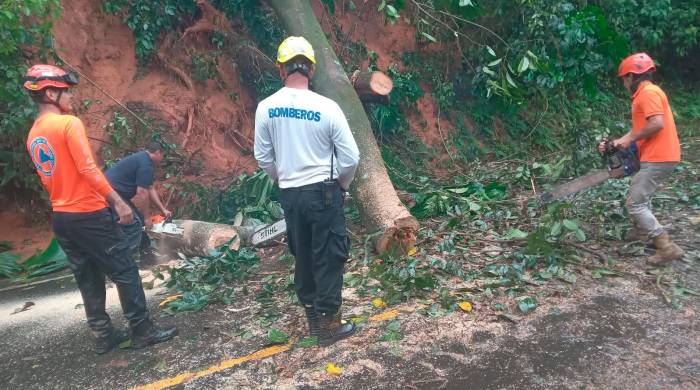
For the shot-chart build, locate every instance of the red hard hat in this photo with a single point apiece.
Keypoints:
(42, 76)
(636, 63)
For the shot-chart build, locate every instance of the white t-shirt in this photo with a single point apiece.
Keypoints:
(295, 131)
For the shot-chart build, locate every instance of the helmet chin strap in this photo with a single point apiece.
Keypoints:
(297, 67)
(55, 103)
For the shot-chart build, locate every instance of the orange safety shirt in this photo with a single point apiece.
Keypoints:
(650, 100)
(64, 161)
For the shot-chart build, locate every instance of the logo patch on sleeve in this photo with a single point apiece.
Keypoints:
(43, 156)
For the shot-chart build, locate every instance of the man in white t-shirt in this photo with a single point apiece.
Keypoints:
(303, 141)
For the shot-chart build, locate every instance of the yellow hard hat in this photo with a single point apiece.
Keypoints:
(295, 46)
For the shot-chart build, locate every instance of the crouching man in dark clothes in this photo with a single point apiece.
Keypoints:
(88, 215)
(132, 178)
(297, 133)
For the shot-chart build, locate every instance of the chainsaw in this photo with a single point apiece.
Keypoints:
(618, 162)
(262, 235)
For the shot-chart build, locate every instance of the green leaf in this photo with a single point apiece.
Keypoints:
(516, 233)
(556, 229)
(52, 259)
(510, 80)
(428, 36)
(580, 235)
(308, 342)
(571, 224)
(527, 304)
(495, 62)
(490, 50)
(524, 64)
(276, 336)
(600, 272)
(464, 3)
(8, 264)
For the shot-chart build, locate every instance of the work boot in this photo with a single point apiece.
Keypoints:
(312, 320)
(666, 251)
(634, 234)
(146, 333)
(107, 343)
(333, 328)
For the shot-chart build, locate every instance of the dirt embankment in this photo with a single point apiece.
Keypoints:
(211, 121)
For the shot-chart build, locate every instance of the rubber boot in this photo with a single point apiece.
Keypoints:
(333, 328)
(313, 321)
(146, 333)
(666, 251)
(107, 343)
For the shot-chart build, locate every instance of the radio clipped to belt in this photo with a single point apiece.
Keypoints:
(329, 186)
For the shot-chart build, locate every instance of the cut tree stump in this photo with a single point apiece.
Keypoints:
(200, 238)
(374, 194)
(371, 83)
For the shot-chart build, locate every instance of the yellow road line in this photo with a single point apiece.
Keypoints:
(258, 355)
(182, 378)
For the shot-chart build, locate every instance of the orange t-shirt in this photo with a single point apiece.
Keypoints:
(64, 161)
(650, 100)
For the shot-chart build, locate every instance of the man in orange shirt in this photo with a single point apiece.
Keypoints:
(88, 215)
(654, 131)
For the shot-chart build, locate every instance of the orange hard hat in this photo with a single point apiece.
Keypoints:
(637, 63)
(42, 76)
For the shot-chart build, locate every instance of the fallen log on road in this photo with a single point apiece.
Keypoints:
(198, 238)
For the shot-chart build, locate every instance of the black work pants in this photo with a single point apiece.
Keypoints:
(318, 240)
(137, 237)
(96, 247)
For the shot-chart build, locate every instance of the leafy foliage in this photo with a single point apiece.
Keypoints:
(260, 20)
(204, 280)
(49, 260)
(149, 18)
(25, 36)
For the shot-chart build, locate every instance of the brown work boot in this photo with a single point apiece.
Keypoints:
(666, 251)
(634, 234)
(333, 328)
(313, 321)
(106, 343)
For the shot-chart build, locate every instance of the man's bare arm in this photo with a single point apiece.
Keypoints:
(153, 194)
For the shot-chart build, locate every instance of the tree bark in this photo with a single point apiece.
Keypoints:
(201, 238)
(372, 190)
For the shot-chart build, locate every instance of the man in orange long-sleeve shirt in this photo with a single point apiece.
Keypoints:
(88, 214)
(654, 131)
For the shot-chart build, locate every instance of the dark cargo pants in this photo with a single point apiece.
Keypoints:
(96, 247)
(139, 242)
(318, 240)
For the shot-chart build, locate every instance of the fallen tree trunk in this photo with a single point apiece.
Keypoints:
(374, 194)
(200, 238)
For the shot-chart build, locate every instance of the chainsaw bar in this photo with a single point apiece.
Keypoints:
(268, 233)
(576, 185)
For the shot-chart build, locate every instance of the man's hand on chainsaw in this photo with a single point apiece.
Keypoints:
(624, 141)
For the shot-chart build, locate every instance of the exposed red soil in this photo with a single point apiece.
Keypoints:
(102, 47)
(26, 238)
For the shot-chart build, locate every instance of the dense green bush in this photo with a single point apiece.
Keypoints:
(25, 37)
